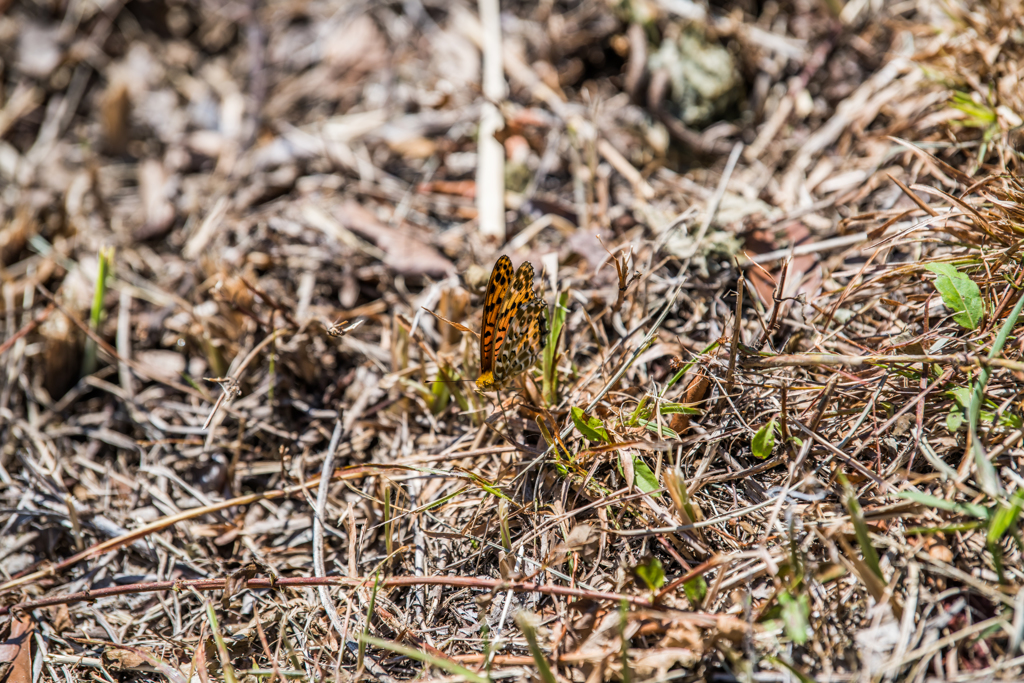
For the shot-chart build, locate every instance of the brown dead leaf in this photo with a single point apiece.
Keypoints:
(61, 618)
(115, 108)
(17, 650)
(733, 629)
(651, 662)
(15, 234)
(685, 636)
(695, 392)
(122, 660)
(404, 253)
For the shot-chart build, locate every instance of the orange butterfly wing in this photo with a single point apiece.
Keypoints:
(527, 334)
(497, 288)
(521, 292)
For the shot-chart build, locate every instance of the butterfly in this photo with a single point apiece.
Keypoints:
(514, 326)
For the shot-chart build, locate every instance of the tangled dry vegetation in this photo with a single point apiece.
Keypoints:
(776, 430)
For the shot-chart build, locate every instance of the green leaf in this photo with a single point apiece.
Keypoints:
(652, 426)
(592, 429)
(764, 441)
(641, 412)
(651, 573)
(440, 392)
(963, 396)
(794, 616)
(643, 477)
(696, 590)
(960, 294)
(945, 529)
(1003, 519)
(969, 509)
(978, 115)
(670, 408)
(954, 420)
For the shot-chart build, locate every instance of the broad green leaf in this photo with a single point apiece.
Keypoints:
(954, 420)
(794, 616)
(696, 590)
(764, 441)
(960, 294)
(440, 393)
(643, 477)
(591, 428)
(651, 573)
(962, 396)
(1005, 517)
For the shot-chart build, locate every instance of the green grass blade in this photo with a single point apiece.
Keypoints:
(987, 477)
(525, 623)
(861, 529)
(443, 664)
(106, 256)
(550, 357)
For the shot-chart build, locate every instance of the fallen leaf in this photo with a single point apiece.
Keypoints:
(660, 661)
(17, 650)
(404, 253)
(733, 629)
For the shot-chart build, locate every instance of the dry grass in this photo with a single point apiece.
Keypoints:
(762, 444)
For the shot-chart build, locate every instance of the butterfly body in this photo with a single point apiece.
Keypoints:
(514, 327)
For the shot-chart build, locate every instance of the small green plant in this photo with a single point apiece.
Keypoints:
(795, 612)
(696, 590)
(980, 116)
(506, 533)
(1001, 519)
(960, 294)
(549, 360)
(106, 257)
(218, 639)
(365, 637)
(388, 541)
(591, 428)
(651, 574)
(962, 402)
(764, 441)
(440, 392)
